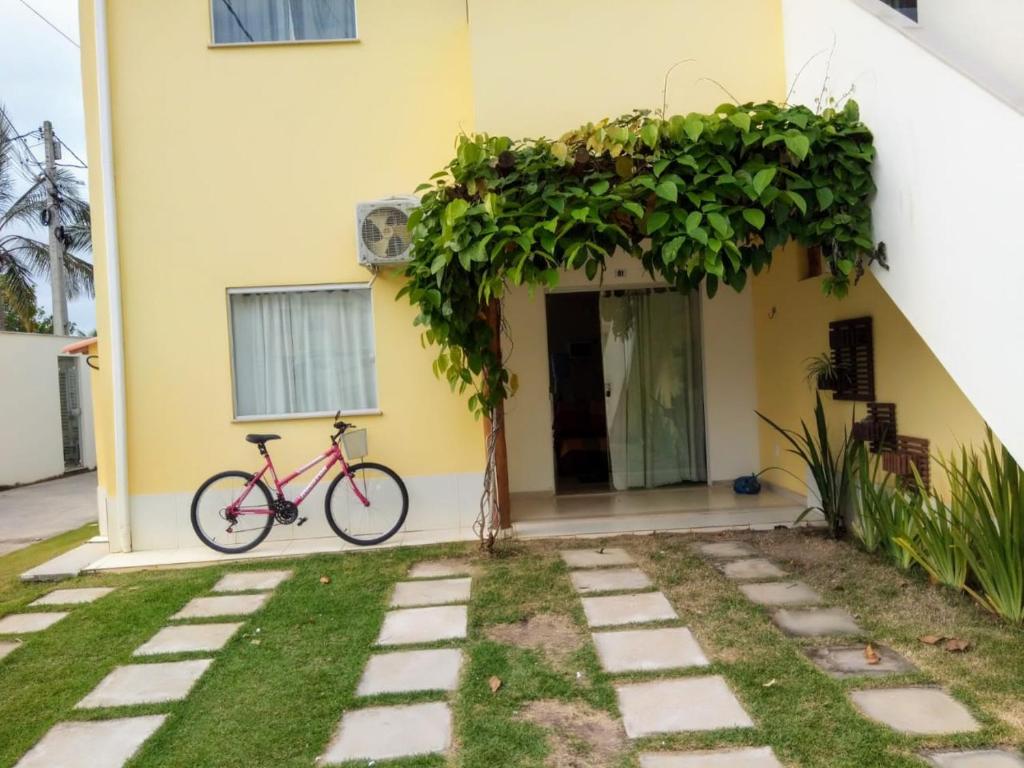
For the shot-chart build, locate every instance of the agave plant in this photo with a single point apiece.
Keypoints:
(872, 499)
(990, 489)
(940, 539)
(833, 470)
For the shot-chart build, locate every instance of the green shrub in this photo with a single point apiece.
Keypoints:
(869, 525)
(990, 490)
(938, 532)
(833, 470)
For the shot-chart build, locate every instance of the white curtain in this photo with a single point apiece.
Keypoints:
(303, 352)
(244, 21)
(654, 402)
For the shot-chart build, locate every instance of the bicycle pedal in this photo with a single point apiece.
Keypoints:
(301, 520)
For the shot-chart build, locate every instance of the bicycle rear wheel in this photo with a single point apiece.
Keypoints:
(380, 518)
(229, 533)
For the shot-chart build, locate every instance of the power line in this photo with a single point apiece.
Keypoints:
(73, 153)
(52, 26)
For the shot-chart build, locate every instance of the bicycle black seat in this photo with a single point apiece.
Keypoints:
(260, 439)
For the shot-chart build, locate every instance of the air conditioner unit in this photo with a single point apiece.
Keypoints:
(382, 231)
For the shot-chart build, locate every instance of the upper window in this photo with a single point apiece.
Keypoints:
(282, 21)
(907, 7)
(302, 350)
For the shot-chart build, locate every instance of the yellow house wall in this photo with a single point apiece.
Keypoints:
(102, 386)
(791, 320)
(242, 166)
(542, 67)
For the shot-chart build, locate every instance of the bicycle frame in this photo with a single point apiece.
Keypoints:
(332, 456)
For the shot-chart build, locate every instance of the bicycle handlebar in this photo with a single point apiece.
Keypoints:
(340, 425)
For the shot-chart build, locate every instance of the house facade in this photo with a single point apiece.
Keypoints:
(230, 143)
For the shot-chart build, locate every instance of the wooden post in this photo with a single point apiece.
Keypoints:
(500, 447)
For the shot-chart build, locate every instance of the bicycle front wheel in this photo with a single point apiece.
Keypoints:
(379, 517)
(225, 532)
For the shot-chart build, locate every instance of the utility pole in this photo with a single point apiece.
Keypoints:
(57, 282)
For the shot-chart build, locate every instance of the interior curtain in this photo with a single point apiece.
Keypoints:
(242, 21)
(654, 402)
(303, 352)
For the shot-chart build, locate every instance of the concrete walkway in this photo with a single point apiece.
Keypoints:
(32, 513)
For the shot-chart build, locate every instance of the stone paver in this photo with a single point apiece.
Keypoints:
(222, 605)
(24, 623)
(593, 558)
(752, 569)
(95, 744)
(188, 638)
(440, 569)
(816, 622)
(145, 684)
(686, 704)
(762, 757)
(72, 596)
(8, 647)
(411, 594)
(385, 733)
(408, 671)
(851, 661)
(644, 650)
(627, 609)
(610, 580)
(727, 549)
(781, 593)
(251, 581)
(987, 758)
(915, 710)
(423, 625)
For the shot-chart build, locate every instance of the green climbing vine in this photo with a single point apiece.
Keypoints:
(697, 198)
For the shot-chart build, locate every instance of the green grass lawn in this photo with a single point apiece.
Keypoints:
(274, 697)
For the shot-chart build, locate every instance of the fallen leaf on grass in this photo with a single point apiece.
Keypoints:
(871, 655)
(494, 683)
(957, 645)
(770, 683)
(931, 639)
(325, 579)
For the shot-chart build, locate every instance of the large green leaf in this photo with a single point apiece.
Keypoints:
(763, 178)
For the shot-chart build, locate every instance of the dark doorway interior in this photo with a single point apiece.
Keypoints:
(577, 392)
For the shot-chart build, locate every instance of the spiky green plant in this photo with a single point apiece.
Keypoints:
(871, 494)
(990, 488)
(833, 470)
(940, 540)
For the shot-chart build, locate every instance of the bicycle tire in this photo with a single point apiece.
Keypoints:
(378, 539)
(247, 476)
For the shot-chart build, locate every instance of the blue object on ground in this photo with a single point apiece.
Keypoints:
(748, 485)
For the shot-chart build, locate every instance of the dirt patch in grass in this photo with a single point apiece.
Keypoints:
(579, 736)
(554, 635)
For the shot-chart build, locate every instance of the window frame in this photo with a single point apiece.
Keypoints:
(251, 43)
(249, 290)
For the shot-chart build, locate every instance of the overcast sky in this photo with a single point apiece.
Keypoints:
(40, 79)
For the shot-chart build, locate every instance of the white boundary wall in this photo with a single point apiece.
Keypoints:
(949, 169)
(31, 442)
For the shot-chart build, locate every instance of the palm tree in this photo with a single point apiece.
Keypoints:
(22, 212)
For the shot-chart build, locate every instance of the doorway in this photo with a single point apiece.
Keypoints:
(626, 387)
(70, 411)
(579, 426)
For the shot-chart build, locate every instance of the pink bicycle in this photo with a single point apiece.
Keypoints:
(365, 504)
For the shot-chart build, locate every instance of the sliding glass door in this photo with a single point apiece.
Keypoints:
(654, 395)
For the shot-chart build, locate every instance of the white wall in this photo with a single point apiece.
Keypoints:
(985, 38)
(730, 390)
(31, 443)
(949, 169)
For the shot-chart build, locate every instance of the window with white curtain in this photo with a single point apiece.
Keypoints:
(302, 350)
(276, 21)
